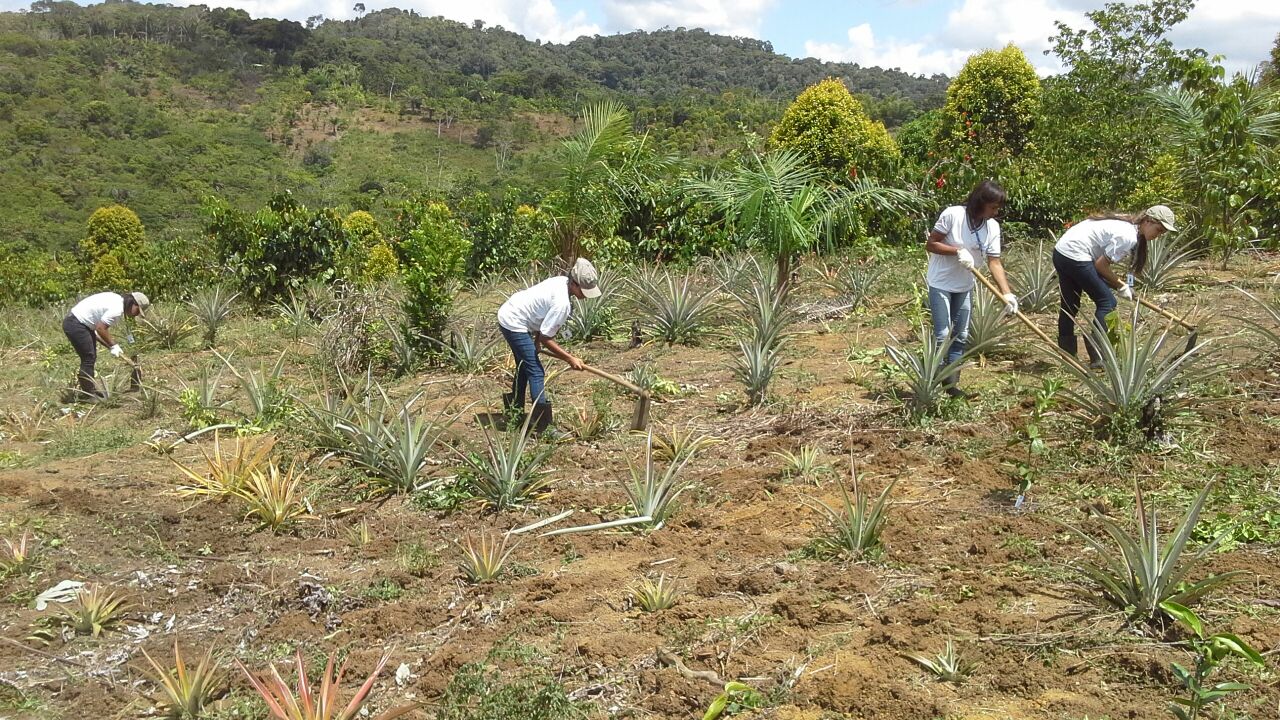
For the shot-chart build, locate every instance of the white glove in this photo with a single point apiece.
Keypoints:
(1125, 291)
(117, 351)
(965, 257)
(1010, 303)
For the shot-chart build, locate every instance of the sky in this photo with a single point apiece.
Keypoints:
(917, 36)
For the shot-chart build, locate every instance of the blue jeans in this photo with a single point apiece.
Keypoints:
(950, 313)
(528, 367)
(1076, 277)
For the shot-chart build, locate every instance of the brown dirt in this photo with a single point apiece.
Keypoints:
(958, 562)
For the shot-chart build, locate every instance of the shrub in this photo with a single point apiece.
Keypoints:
(993, 101)
(831, 128)
(278, 248)
(479, 691)
(1140, 380)
(1144, 573)
(187, 692)
(432, 251)
(113, 229)
(676, 311)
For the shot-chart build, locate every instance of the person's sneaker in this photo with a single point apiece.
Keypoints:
(956, 392)
(1096, 366)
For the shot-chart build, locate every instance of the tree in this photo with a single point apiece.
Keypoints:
(1098, 130)
(581, 207)
(784, 203)
(114, 228)
(829, 126)
(432, 251)
(993, 102)
(1225, 134)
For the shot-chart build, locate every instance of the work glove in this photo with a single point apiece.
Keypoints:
(1125, 291)
(117, 351)
(1010, 303)
(965, 257)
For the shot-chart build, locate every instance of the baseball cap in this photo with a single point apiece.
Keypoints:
(584, 273)
(142, 300)
(1163, 215)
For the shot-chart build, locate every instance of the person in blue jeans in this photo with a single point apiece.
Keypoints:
(529, 320)
(964, 236)
(1083, 258)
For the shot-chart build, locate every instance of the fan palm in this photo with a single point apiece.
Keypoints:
(783, 202)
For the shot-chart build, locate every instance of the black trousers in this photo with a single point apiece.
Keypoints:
(1076, 277)
(86, 346)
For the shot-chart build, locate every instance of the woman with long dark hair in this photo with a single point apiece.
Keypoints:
(1083, 258)
(963, 236)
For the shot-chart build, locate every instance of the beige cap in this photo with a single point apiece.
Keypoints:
(1163, 215)
(142, 300)
(584, 274)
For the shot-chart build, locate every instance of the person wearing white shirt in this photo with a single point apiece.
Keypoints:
(529, 320)
(89, 323)
(964, 236)
(1083, 258)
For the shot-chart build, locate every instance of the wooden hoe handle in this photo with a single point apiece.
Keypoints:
(1032, 326)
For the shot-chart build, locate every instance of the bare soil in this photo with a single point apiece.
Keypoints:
(819, 637)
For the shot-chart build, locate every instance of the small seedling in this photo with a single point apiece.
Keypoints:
(17, 554)
(95, 610)
(1210, 651)
(483, 558)
(947, 665)
(274, 498)
(804, 464)
(652, 596)
(187, 692)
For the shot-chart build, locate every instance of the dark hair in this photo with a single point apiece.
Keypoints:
(1139, 261)
(128, 301)
(982, 195)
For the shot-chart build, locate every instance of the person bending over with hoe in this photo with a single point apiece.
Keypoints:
(1083, 258)
(529, 320)
(89, 323)
(964, 236)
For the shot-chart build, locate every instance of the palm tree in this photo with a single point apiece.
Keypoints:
(786, 204)
(581, 205)
(1223, 132)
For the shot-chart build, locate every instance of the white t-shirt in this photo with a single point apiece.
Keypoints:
(1089, 240)
(541, 309)
(104, 307)
(945, 271)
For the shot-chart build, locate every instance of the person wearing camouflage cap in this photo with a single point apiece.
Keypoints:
(529, 321)
(1084, 257)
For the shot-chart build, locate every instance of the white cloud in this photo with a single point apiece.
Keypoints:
(863, 48)
(1241, 30)
(741, 18)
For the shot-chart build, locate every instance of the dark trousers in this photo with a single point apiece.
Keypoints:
(86, 346)
(1074, 278)
(529, 371)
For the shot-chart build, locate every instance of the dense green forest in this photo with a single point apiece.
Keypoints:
(157, 106)
(237, 147)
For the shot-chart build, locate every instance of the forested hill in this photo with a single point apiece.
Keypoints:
(157, 106)
(647, 64)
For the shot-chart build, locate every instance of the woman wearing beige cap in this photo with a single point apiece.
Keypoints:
(529, 320)
(89, 323)
(1083, 258)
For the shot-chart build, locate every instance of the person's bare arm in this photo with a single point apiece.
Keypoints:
(104, 334)
(554, 348)
(937, 244)
(997, 274)
(1104, 269)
